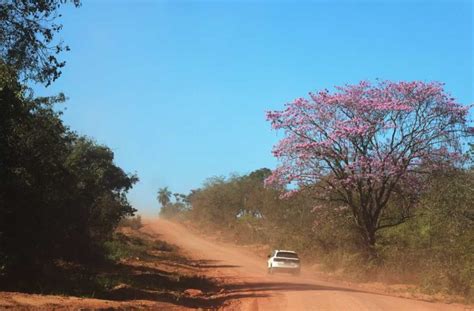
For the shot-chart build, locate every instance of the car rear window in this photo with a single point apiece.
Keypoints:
(287, 255)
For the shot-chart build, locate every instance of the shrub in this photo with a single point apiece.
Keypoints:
(131, 222)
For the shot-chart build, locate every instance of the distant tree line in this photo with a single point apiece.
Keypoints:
(61, 194)
(172, 204)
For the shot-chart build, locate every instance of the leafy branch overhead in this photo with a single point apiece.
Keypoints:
(28, 38)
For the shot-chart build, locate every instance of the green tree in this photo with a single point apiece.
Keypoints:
(27, 38)
(164, 196)
(438, 240)
(61, 195)
(100, 192)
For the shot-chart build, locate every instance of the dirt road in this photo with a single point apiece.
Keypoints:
(249, 287)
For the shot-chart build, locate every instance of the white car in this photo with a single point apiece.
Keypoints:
(284, 261)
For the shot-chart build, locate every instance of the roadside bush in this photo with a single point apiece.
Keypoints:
(121, 246)
(61, 195)
(436, 244)
(131, 222)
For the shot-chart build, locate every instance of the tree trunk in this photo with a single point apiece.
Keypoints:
(370, 245)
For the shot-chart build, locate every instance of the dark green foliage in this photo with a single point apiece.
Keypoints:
(27, 38)
(61, 196)
(99, 190)
(122, 246)
(439, 240)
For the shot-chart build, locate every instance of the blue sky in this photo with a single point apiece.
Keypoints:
(178, 90)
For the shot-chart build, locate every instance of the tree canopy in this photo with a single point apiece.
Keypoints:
(61, 195)
(28, 38)
(364, 143)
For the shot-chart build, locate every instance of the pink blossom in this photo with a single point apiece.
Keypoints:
(367, 135)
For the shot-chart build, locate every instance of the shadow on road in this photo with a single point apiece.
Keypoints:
(160, 273)
(148, 283)
(284, 286)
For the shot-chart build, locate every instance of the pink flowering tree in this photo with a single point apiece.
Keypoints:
(363, 143)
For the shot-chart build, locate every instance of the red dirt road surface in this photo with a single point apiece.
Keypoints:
(217, 275)
(248, 287)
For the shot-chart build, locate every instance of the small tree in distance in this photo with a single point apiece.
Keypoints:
(164, 196)
(169, 208)
(364, 143)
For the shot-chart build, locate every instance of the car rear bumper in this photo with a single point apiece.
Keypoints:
(286, 269)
